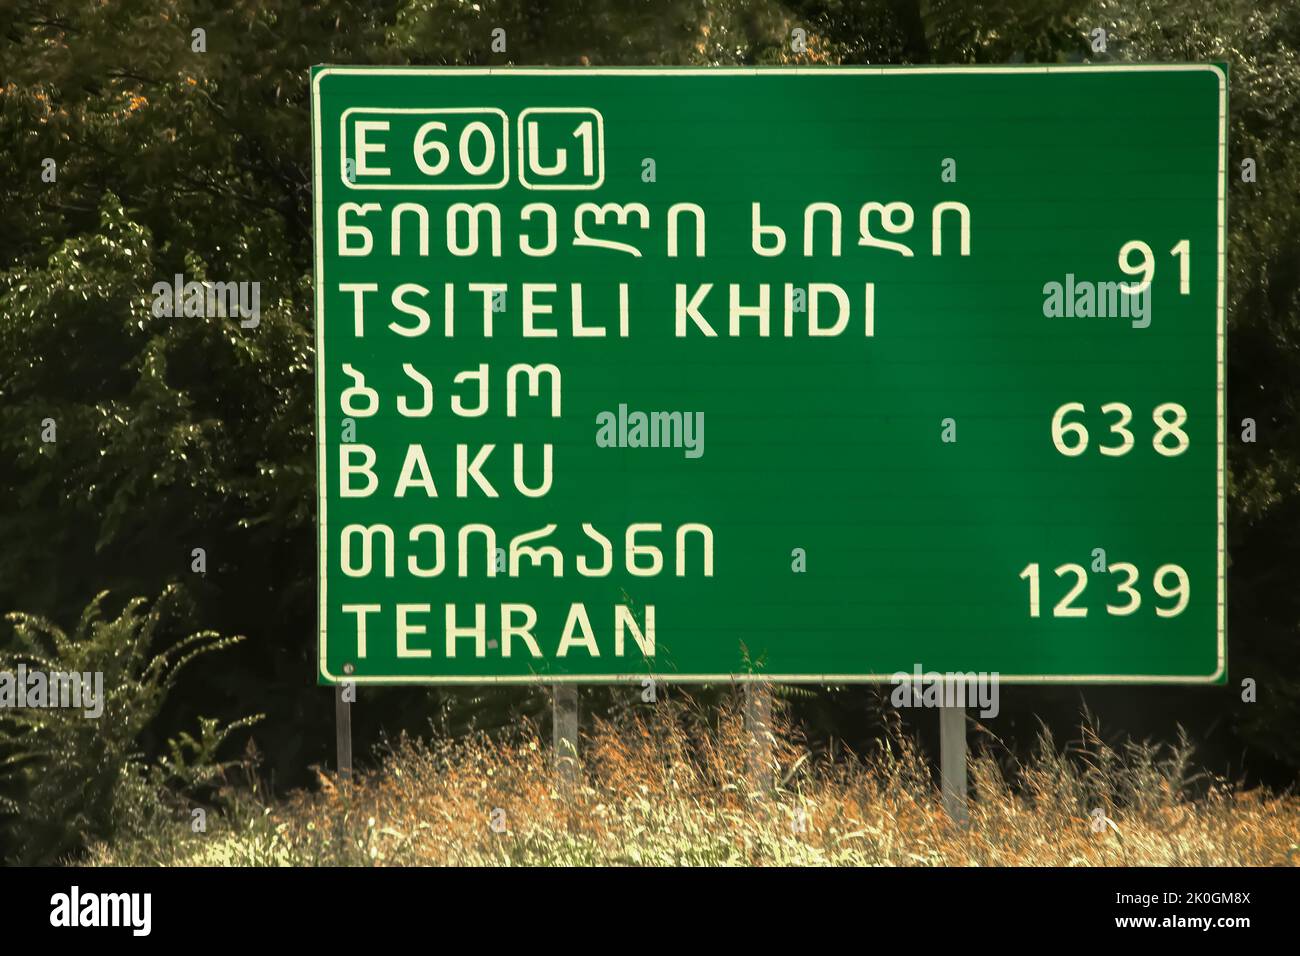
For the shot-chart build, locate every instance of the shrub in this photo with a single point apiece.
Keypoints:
(67, 779)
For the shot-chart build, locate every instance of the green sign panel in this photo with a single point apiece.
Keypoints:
(817, 375)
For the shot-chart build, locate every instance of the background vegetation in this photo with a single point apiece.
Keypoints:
(668, 788)
(174, 435)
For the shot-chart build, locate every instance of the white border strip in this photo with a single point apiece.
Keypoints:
(651, 72)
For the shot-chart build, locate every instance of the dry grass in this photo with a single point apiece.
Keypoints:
(667, 786)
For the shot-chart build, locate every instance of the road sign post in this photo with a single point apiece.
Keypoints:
(952, 763)
(564, 733)
(343, 732)
(758, 734)
(780, 375)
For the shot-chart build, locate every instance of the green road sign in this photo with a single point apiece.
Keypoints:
(813, 375)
